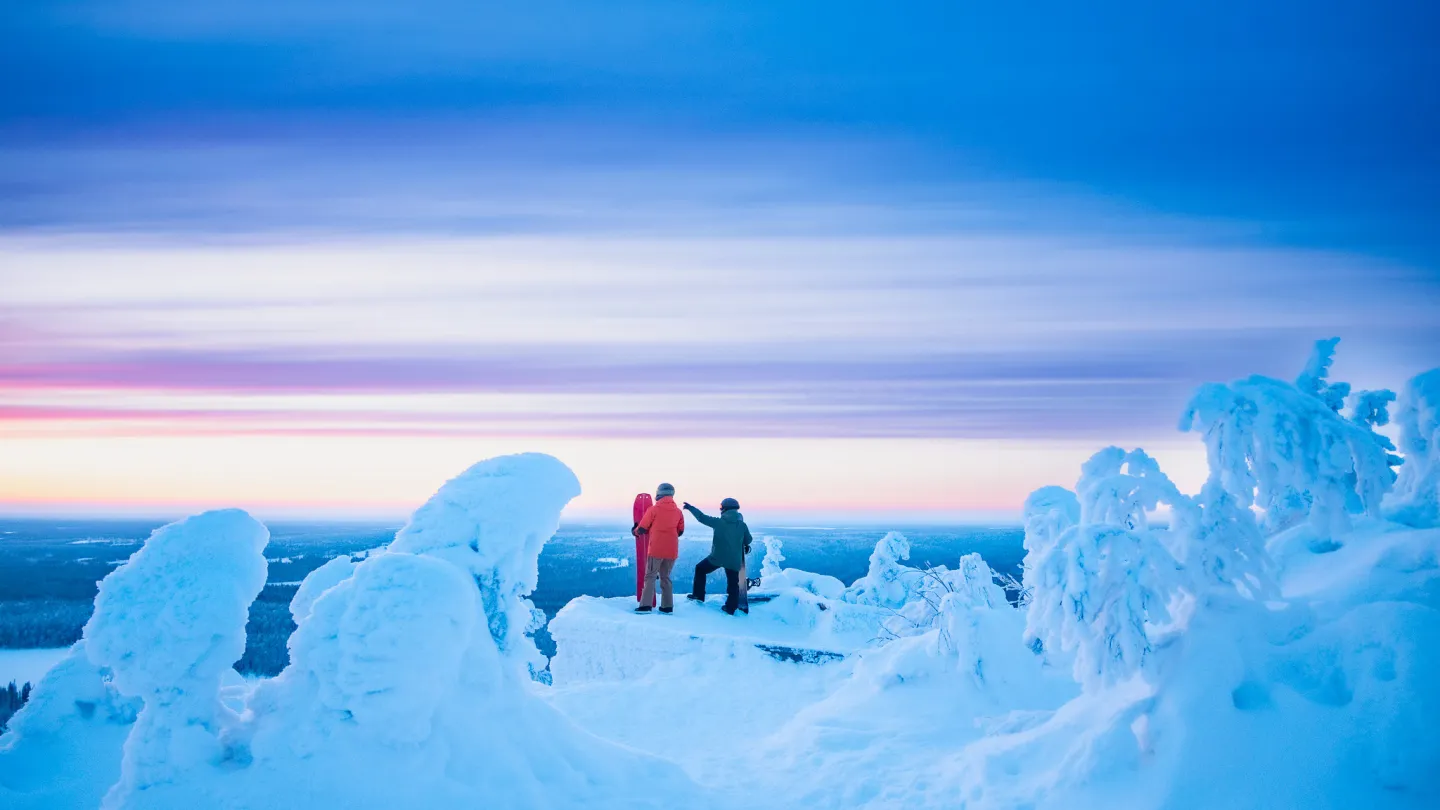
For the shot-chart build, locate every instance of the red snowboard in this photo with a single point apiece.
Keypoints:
(642, 546)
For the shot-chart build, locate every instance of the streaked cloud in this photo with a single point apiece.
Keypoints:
(981, 337)
(946, 248)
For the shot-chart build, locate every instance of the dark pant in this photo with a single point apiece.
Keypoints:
(732, 583)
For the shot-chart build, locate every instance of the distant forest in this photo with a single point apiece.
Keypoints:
(12, 698)
(48, 574)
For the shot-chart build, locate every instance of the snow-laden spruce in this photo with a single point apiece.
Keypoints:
(1416, 498)
(888, 583)
(491, 522)
(770, 566)
(168, 623)
(1287, 449)
(972, 584)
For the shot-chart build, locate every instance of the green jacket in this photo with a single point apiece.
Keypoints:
(732, 537)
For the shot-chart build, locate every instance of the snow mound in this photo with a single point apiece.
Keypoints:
(322, 579)
(1314, 704)
(381, 648)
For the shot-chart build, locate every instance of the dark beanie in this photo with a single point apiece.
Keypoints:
(728, 504)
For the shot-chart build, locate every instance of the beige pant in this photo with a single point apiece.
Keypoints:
(656, 568)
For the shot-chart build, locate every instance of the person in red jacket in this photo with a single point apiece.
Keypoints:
(663, 524)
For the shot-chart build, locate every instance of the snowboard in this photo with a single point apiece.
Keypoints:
(643, 502)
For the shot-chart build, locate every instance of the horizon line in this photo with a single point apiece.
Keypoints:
(778, 519)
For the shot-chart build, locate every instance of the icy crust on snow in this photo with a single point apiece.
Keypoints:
(407, 686)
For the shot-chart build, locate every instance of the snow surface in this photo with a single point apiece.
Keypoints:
(22, 666)
(1274, 643)
(599, 639)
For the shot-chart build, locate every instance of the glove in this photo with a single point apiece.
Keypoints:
(688, 506)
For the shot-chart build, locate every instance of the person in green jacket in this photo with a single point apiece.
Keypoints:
(728, 548)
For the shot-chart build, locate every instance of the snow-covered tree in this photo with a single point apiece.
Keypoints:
(774, 555)
(888, 583)
(167, 624)
(1223, 546)
(492, 521)
(1416, 499)
(1120, 488)
(972, 584)
(1096, 592)
(1048, 512)
(1286, 449)
(1098, 585)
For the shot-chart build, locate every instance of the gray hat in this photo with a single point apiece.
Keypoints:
(663, 490)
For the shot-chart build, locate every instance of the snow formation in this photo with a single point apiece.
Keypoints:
(889, 583)
(408, 684)
(1416, 499)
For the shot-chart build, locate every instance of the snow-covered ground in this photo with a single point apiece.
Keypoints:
(1275, 643)
(28, 665)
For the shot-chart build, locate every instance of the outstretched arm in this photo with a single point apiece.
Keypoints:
(702, 517)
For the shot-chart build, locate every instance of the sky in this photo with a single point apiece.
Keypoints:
(839, 260)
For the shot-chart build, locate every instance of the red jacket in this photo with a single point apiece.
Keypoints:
(664, 523)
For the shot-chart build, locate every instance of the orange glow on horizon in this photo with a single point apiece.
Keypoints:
(392, 475)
